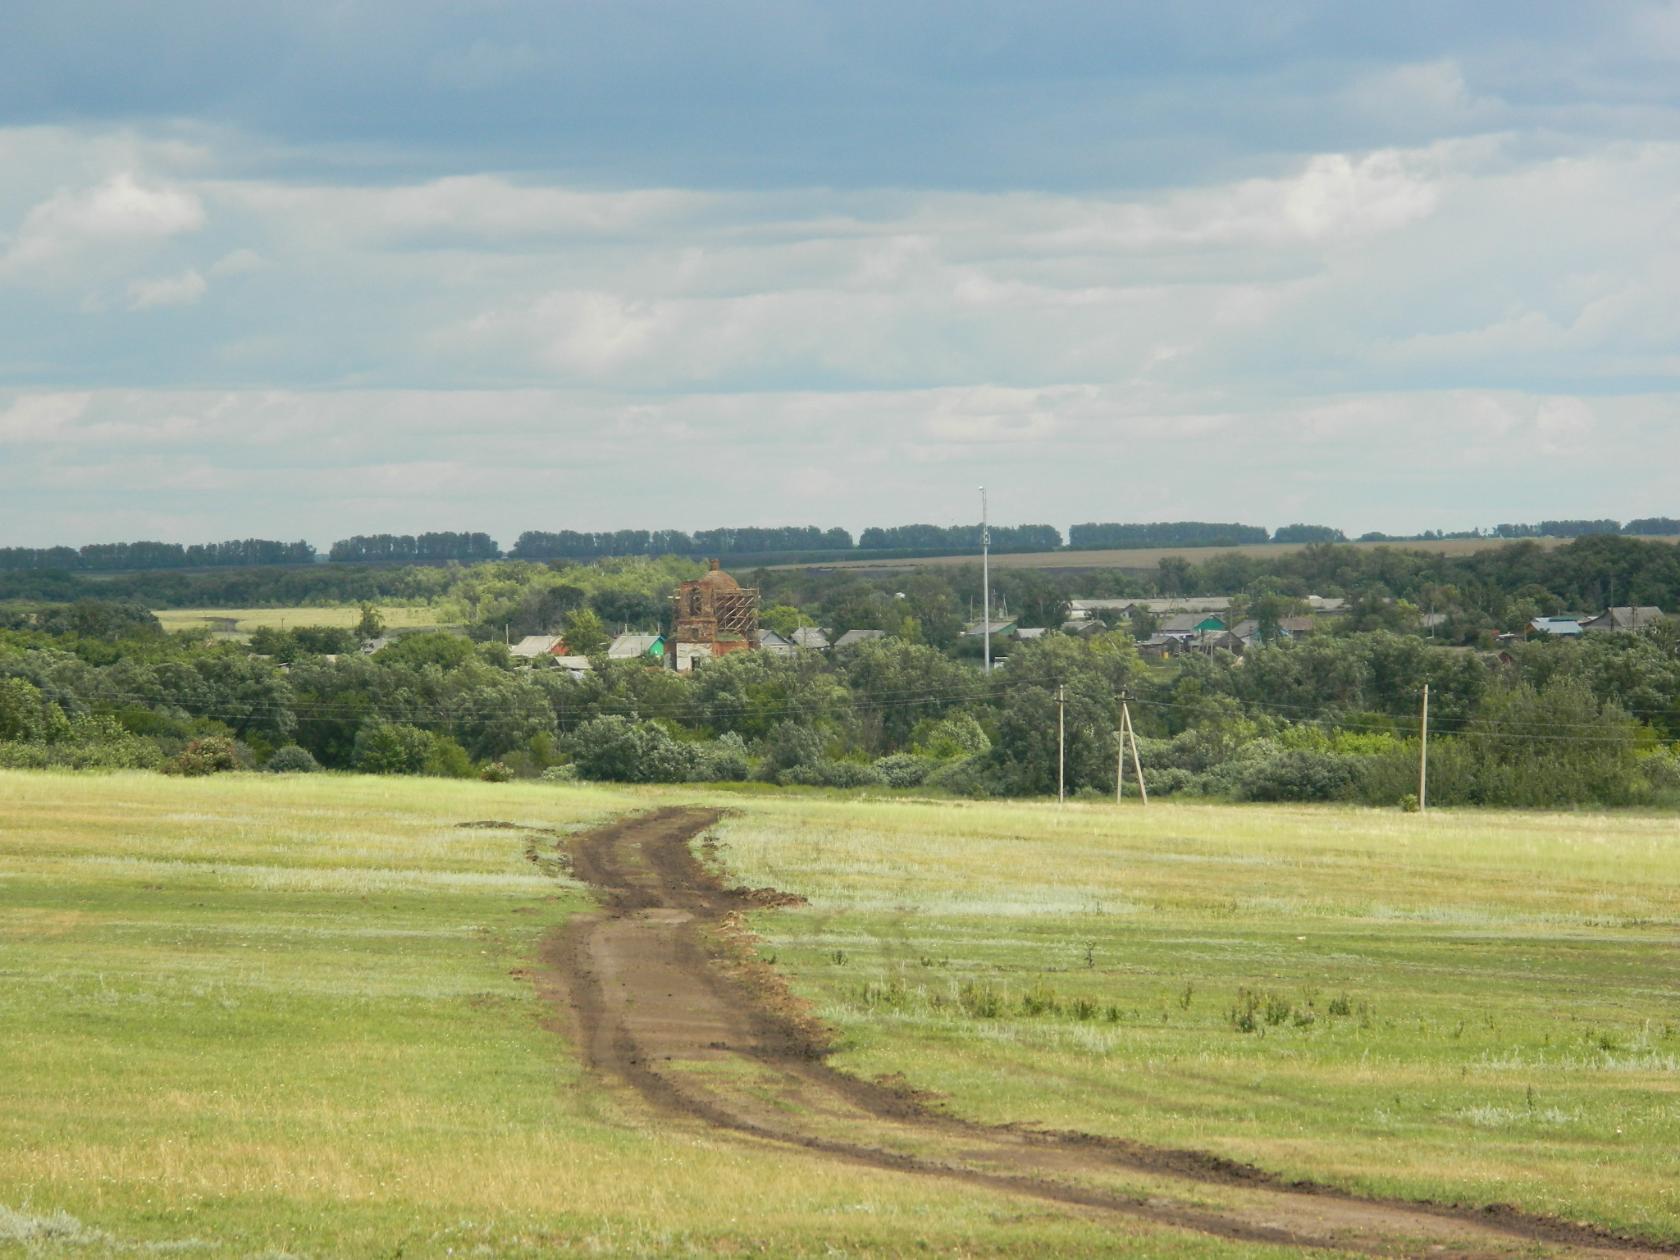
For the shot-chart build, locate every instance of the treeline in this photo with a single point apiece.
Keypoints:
(1333, 717)
(935, 538)
(134, 556)
(571, 544)
(415, 548)
(1114, 535)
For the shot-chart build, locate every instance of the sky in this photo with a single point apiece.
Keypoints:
(309, 269)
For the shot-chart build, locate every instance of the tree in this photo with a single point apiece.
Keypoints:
(371, 625)
(585, 635)
(391, 748)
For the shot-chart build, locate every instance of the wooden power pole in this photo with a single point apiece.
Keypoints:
(1423, 754)
(1129, 734)
(1061, 745)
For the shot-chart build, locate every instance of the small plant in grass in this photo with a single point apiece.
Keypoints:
(892, 994)
(497, 772)
(1040, 1001)
(1409, 803)
(1184, 997)
(1244, 1016)
(838, 957)
(1339, 1005)
(979, 1000)
(1083, 1008)
(1278, 1009)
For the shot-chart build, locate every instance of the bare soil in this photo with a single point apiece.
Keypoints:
(665, 997)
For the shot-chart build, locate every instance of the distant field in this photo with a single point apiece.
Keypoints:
(242, 621)
(1149, 557)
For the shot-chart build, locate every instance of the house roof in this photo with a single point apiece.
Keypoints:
(1625, 617)
(859, 636)
(1173, 603)
(575, 664)
(534, 645)
(1565, 626)
(978, 628)
(1190, 623)
(810, 637)
(1031, 632)
(627, 646)
(770, 639)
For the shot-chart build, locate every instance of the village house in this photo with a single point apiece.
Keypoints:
(811, 638)
(773, 643)
(1624, 618)
(627, 647)
(858, 636)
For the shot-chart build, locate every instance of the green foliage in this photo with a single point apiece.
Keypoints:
(212, 754)
(621, 750)
(943, 739)
(292, 760)
(497, 772)
(903, 770)
(585, 633)
(391, 748)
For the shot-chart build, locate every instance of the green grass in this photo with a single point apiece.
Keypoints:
(1461, 1006)
(254, 1015)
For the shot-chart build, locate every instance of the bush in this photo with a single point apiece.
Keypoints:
(1168, 781)
(560, 774)
(85, 743)
(497, 772)
(903, 770)
(724, 760)
(828, 773)
(1297, 775)
(969, 777)
(391, 748)
(619, 750)
(292, 760)
(212, 754)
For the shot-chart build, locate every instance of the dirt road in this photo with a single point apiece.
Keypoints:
(659, 1000)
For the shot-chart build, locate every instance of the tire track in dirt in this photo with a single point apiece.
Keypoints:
(655, 992)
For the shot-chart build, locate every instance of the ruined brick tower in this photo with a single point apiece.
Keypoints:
(715, 615)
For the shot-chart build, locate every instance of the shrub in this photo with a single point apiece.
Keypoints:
(497, 772)
(1169, 781)
(211, 754)
(391, 748)
(1297, 775)
(968, 777)
(902, 770)
(292, 760)
(560, 774)
(619, 750)
(724, 760)
(829, 773)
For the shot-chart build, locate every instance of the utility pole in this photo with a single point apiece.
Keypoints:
(1423, 754)
(1061, 745)
(1131, 734)
(986, 578)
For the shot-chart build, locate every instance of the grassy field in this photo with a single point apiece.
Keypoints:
(270, 1015)
(1148, 557)
(242, 621)
(1461, 1005)
(294, 1016)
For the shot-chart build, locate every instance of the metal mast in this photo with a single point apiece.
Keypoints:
(986, 578)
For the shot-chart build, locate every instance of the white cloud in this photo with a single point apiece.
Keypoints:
(121, 209)
(179, 290)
